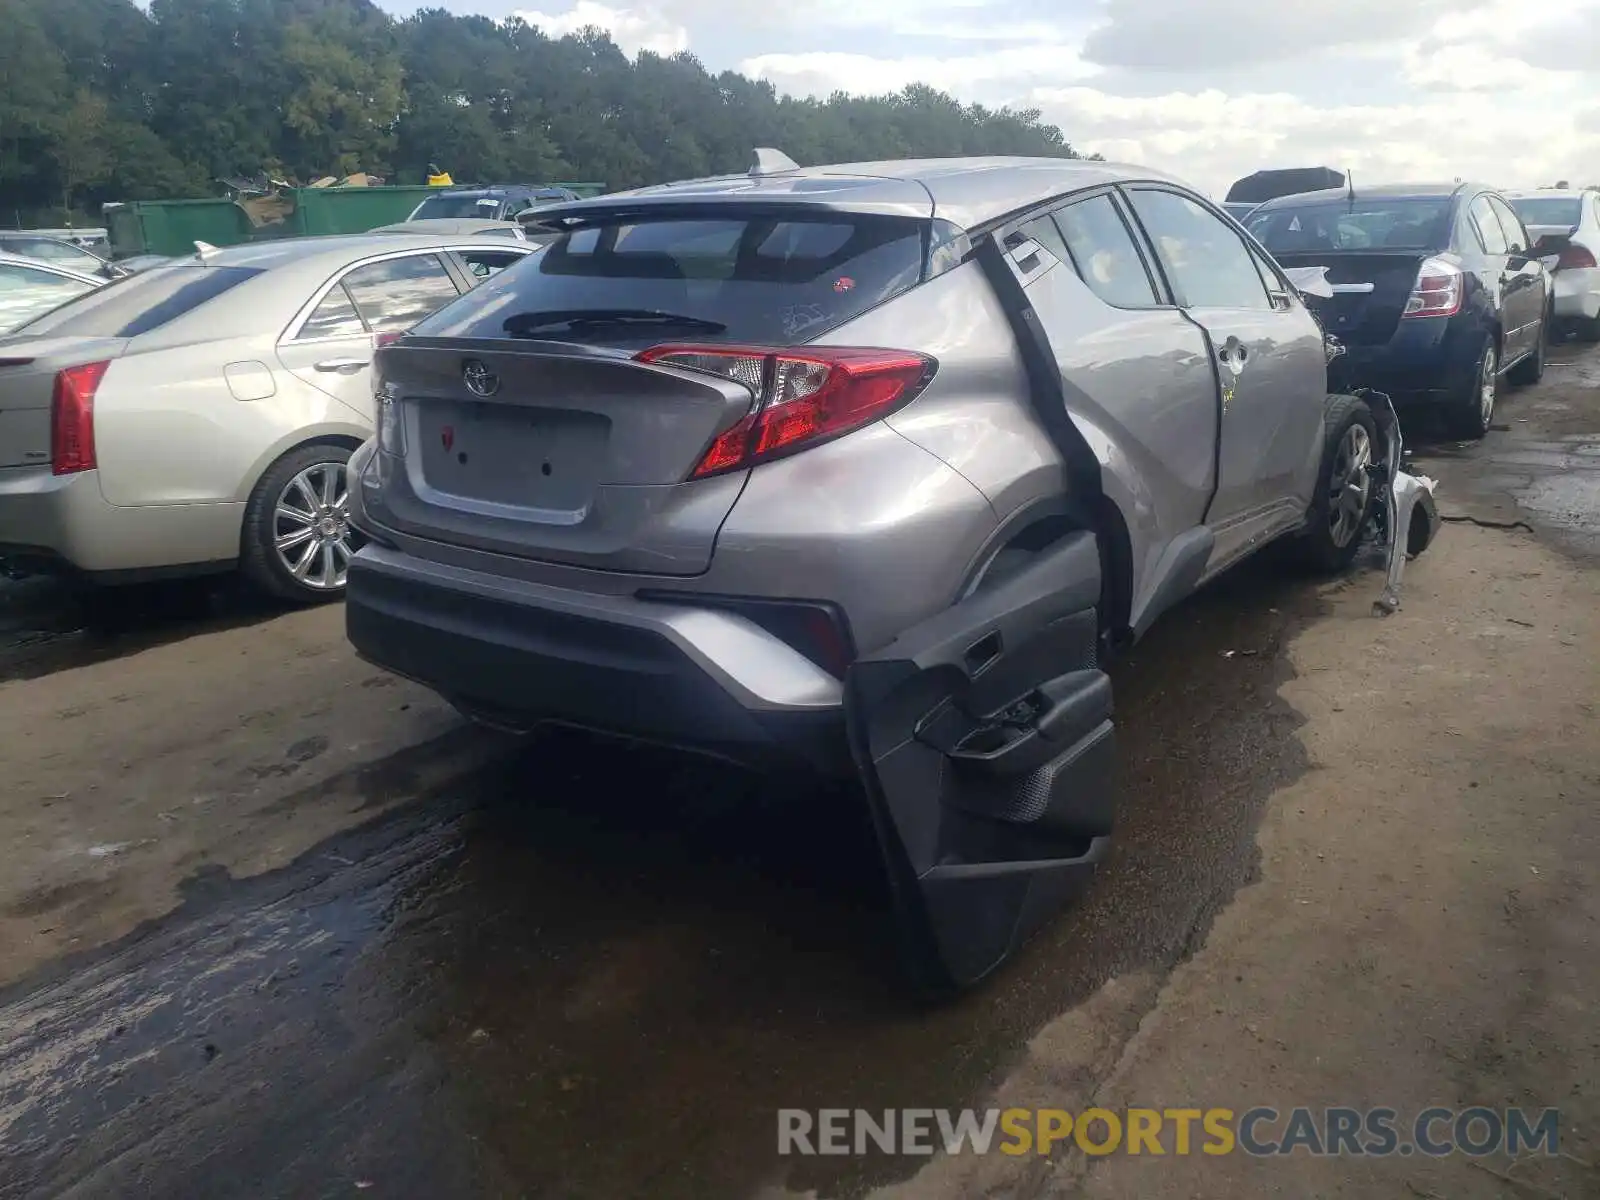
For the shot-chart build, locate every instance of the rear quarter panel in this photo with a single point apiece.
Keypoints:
(168, 429)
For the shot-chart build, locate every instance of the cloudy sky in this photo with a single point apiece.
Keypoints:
(1504, 90)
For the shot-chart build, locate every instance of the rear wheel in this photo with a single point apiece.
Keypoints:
(1344, 487)
(297, 541)
(1471, 411)
(1587, 329)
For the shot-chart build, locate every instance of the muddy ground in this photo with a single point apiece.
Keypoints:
(273, 924)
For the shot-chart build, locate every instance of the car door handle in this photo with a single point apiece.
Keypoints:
(343, 366)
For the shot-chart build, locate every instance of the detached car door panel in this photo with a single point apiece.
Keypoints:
(985, 738)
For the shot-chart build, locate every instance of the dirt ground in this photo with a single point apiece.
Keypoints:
(1356, 866)
(1424, 930)
(227, 753)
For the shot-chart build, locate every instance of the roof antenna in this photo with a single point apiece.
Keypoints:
(767, 161)
(1350, 188)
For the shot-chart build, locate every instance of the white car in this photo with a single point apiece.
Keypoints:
(1568, 223)
(197, 416)
(29, 288)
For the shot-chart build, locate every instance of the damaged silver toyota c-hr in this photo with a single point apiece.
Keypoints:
(861, 469)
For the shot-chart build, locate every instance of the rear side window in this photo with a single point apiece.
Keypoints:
(1487, 226)
(1043, 231)
(1104, 253)
(139, 303)
(481, 264)
(763, 279)
(395, 294)
(1516, 237)
(1205, 259)
(335, 317)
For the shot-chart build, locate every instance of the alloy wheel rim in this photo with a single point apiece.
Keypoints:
(1351, 485)
(311, 531)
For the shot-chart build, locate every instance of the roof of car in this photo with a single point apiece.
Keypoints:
(454, 226)
(280, 252)
(45, 264)
(1381, 191)
(965, 191)
(1546, 193)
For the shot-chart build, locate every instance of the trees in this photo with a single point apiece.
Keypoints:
(104, 100)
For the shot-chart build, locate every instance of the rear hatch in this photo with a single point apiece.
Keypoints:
(1370, 291)
(529, 426)
(28, 369)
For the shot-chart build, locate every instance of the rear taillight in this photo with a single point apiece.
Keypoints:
(72, 418)
(1440, 284)
(803, 396)
(380, 340)
(1575, 258)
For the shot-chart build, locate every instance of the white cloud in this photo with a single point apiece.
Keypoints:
(991, 74)
(631, 29)
(1212, 138)
(1210, 90)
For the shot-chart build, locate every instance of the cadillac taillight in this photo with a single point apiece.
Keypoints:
(72, 418)
(804, 395)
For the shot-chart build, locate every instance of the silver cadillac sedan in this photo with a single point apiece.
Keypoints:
(196, 417)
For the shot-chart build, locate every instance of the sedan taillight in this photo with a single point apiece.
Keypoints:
(1438, 292)
(1575, 258)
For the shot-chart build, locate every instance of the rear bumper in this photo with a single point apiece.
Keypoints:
(519, 654)
(1577, 294)
(61, 524)
(1427, 358)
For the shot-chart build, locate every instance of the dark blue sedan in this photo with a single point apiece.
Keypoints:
(1438, 294)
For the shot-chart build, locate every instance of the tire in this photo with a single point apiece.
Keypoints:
(1471, 409)
(1333, 527)
(1587, 329)
(287, 556)
(1531, 369)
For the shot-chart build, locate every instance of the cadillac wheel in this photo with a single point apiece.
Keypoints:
(297, 541)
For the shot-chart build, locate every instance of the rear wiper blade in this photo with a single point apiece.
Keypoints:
(522, 324)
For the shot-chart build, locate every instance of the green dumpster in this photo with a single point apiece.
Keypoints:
(351, 209)
(173, 226)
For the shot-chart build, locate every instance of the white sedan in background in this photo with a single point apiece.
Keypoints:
(197, 416)
(29, 288)
(1568, 223)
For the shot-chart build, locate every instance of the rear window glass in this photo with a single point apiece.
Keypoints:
(765, 279)
(139, 303)
(458, 206)
(1371, 224)
(1548, 210)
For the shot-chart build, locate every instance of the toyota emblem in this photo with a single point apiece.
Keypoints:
(479, 379)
